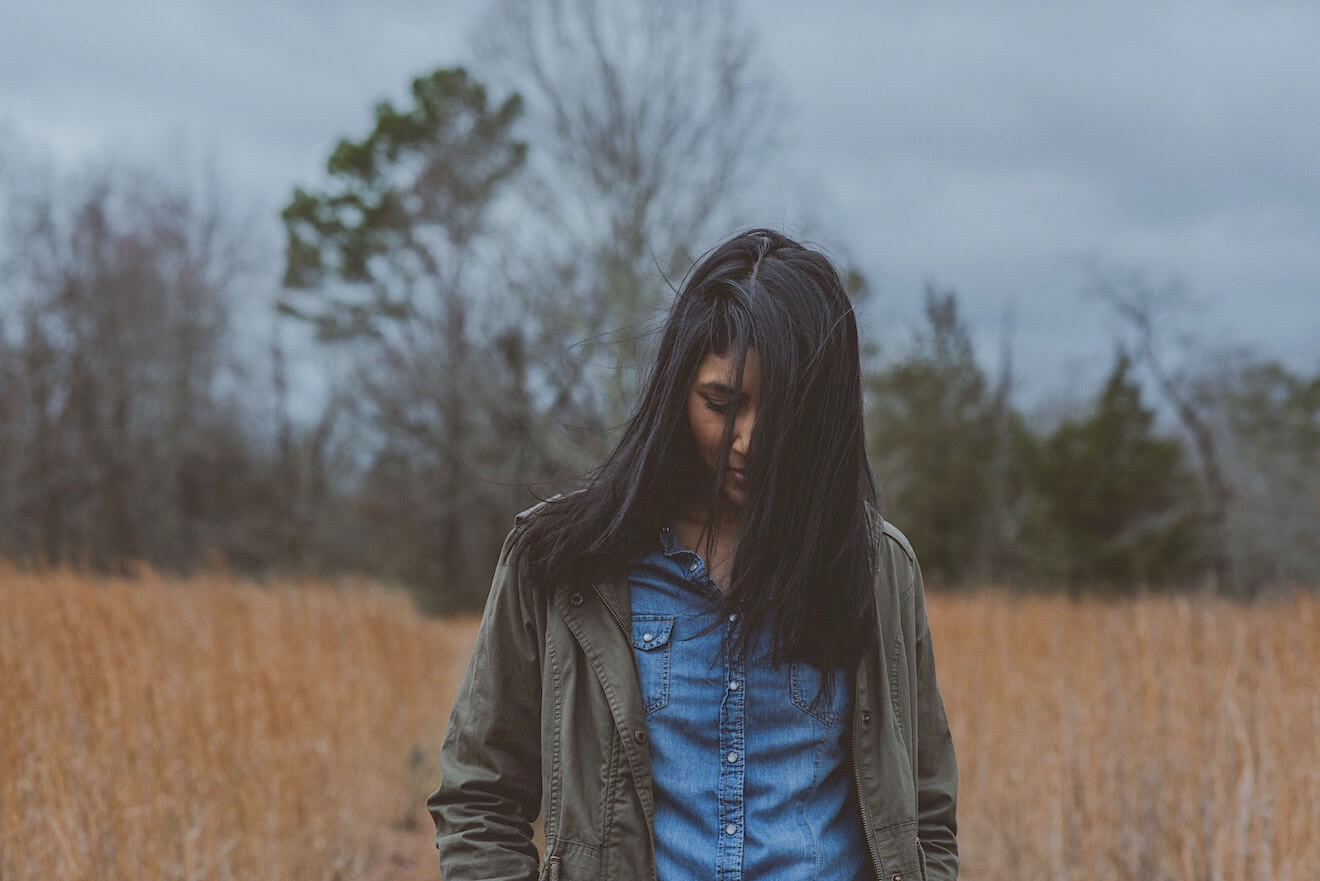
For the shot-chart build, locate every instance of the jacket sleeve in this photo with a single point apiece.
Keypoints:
(937, 767)
(490, 761)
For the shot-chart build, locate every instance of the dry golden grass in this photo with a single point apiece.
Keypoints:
(1166, 738)
(212, 730)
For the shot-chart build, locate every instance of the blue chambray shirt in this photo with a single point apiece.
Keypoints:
(751, 772)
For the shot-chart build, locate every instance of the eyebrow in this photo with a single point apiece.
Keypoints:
(714, 386)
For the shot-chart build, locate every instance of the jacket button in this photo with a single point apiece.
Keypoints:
(575, 599)
(639, 735)
(866, 717)
(898, 876)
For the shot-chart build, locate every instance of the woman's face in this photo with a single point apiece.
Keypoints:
(710, 396)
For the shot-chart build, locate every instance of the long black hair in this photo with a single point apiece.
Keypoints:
(804, 562)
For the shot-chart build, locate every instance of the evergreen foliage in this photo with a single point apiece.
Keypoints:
(1120, 498)
(399, 201)
(947, 448)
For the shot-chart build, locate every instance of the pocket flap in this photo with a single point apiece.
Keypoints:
(899, 851)
(651, 631)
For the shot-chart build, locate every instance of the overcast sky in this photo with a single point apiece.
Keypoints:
(995, 148)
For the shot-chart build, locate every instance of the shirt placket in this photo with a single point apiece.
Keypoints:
(732, 759)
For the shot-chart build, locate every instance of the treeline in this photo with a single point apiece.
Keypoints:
(1103, 498)
(479, 270)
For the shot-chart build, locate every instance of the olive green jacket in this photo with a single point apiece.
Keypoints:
(550, 714)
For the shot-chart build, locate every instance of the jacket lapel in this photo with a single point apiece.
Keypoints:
(598, 616)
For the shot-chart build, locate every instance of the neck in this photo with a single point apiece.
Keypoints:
(697, 511)
(695, 526)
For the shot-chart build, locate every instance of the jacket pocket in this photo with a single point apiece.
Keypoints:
(651, 642)
(900, 852)
(569, 862)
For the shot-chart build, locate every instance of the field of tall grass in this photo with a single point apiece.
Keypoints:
(210, 729)
(214, 730)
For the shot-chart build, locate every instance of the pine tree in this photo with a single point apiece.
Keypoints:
(1120, 498)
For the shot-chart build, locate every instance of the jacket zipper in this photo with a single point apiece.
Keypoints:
(613, 614)
(857, 777)
(554, 869)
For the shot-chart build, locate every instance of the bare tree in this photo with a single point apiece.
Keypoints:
(1267, 419)
(646, 121)
(121, 285)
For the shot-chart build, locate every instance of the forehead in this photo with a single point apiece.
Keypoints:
(720, 369)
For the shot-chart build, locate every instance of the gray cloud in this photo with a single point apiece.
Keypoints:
(996, 146)
(993, 147)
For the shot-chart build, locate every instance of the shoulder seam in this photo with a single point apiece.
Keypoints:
(899, 539)
(523, 516)
(527, 513)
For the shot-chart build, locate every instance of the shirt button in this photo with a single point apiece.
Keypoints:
(733, 686)
(692, 570)
(730, 829)
(732, 757)
(647, 637)
(733, 616)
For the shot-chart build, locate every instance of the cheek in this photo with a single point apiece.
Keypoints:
(706, 430)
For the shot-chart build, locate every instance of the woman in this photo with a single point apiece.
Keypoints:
(713, 661)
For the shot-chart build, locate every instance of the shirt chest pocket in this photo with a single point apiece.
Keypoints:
(651, 650)
(827, 699)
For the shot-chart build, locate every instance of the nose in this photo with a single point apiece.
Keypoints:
(743, 424)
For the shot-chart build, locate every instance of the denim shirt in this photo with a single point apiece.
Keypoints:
(750, 766)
